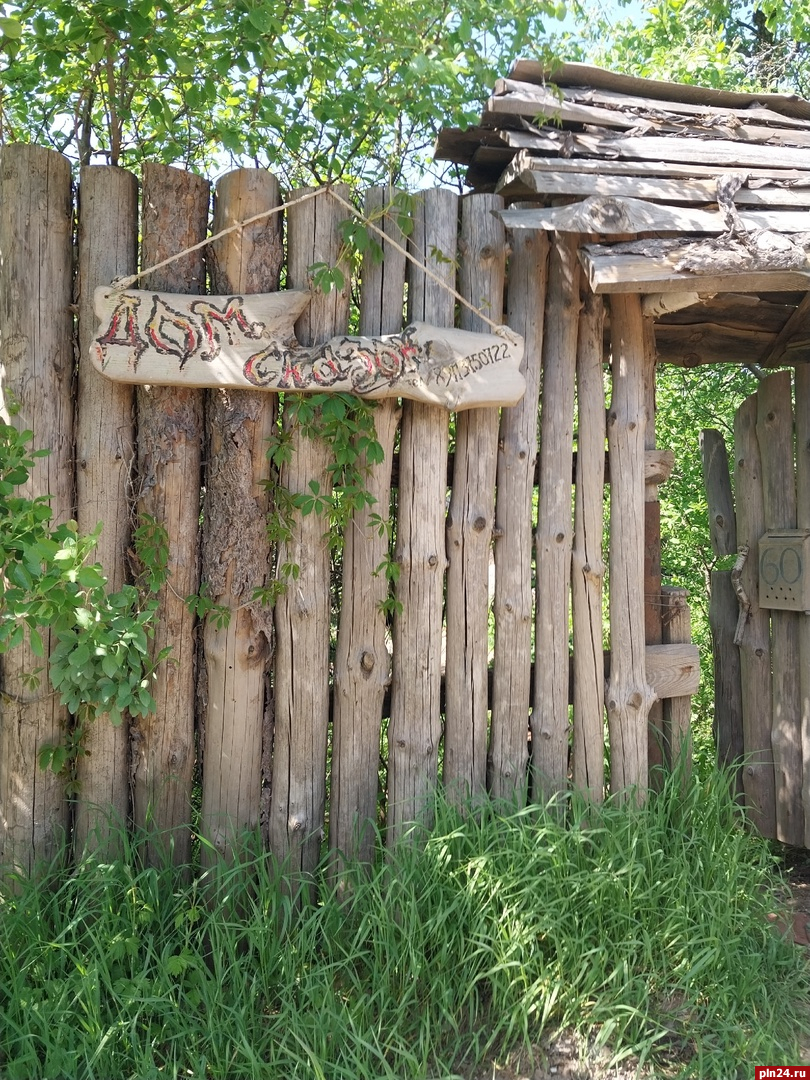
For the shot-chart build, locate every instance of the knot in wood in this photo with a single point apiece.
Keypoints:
(560, 537)
(479, 523)
(367, 660)
(635, 700)
(487, 252)
(433, 560)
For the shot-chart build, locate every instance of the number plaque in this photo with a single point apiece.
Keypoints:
(784, 570)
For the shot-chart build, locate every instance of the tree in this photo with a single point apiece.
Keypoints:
(315, 89)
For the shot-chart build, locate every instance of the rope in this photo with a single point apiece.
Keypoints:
(125, 282)
(498, 328)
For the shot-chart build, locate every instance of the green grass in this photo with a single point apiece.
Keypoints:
(648, 929)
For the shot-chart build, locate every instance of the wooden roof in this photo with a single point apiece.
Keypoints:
(700, 198)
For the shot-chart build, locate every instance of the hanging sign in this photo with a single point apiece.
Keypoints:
(248, 342)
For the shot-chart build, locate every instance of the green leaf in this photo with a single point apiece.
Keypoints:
(37, 648)
(11, 28)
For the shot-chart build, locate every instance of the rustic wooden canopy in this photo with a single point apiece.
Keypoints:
(713, 186)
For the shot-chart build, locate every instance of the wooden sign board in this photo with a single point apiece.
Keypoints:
(248, 342)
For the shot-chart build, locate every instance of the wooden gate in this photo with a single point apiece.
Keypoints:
(760, 612)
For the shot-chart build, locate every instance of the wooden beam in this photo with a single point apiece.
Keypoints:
(612, 216)
(659, 188)
(163, 339)
(793, 339)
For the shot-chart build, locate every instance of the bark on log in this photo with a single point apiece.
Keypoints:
(470, 520)
(755, 647)
(414, 729)
(362, 667)
(236, 555)
(588, 570)
(302, 610)
(728, 710)
(628, 695)
(549, 721)
(775, 435)
(36, 370)
(517, 455)
(717, 479)
(105, 453)
(170, 423)
(802, 384)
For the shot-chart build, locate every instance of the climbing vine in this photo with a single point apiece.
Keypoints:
(99, 661)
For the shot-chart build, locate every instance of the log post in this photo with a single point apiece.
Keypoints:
(775, 436)
(728, 705)
(802, 384)
(628, 694)
(36, 376)
(517, 455)
(235, 546)
(728, 731)
(677, 630)
(549, 722)
(470, 519)
(657, 735)
(170, 426)
(105, 453)
(587, 566)
(414, 728)
(302, 610)
(362, 667)
(755, 643)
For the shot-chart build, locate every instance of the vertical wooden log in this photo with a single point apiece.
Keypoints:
(235, 545)
(717, 479)
(802, 384)
(728, 730)
(517, 454)
(471, 518)
(628, 695)
(549, 722)
(302, 610)
(775, 436)
(414, 728)
(657, 735)
(36, 370)
(728, 707)
(362, 668)
(755, 646)
(170, 426)
(105, 452)
(677, 630)
(587, 566)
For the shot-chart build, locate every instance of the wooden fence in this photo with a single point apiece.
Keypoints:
(759, 611)
(456, 682)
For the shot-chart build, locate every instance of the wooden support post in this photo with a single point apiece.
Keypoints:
(549, 722)
(36, 374)
(723, 610)
(470, 519)
(517, 455)
(755, 643)
(802, 384)
(105, 462)
(656, 738)
(775, 436)
(362, 669)
(728, 705)
(415, 726)
(170, 425)
(588, 570)
(236, 551)
(628, 695)
(302, 610)
(677, 630)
